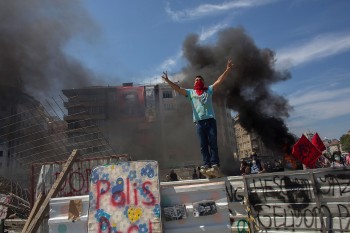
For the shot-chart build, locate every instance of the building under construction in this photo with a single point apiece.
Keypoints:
(32, 133)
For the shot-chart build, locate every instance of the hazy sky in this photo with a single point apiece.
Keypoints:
(136, 40)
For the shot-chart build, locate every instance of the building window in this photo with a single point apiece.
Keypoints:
(1, 153)
(167, 94)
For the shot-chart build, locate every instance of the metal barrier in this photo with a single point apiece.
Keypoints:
(297, 201)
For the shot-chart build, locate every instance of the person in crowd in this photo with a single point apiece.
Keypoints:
(280, 167)
(243, 167)
(194, 174)
(204, 117)
(347, 159)
(255, 166)
(264, 168)
(337, 160)
(323, 161)
(290, 163)
(173, 176)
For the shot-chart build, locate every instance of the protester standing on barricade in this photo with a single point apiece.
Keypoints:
(204, 117)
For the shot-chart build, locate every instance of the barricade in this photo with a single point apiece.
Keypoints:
(315, 200)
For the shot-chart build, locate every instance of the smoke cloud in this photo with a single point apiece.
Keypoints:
(247, 90)
(34, 34)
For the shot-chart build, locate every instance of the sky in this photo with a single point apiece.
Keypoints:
(135, 41)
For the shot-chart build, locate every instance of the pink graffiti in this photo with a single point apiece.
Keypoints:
(123, 197)
(76, 183)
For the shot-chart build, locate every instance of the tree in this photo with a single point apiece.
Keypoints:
(345, 142)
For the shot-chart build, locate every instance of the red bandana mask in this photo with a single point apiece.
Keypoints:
(199, 87)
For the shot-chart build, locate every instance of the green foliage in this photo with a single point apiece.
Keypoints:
(345, 142)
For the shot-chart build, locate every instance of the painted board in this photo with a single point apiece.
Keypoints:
(124, 197)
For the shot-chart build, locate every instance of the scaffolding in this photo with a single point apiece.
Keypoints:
(34, 133)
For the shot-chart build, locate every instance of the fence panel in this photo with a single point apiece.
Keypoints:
(197, 206)
(301, 201)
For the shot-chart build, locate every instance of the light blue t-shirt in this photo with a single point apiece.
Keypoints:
(202, 105)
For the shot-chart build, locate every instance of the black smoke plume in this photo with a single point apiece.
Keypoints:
(247, 90)
(33, 36)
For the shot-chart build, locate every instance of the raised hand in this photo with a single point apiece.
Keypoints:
(229, 64)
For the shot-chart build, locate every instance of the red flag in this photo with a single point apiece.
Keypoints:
(316, 140)
(306, 152)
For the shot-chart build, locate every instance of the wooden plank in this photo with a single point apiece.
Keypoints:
(33, 212)
(35, 223)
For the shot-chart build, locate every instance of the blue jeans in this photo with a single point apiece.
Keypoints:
(207, 134)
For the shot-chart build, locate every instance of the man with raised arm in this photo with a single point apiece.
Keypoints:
(204, 117)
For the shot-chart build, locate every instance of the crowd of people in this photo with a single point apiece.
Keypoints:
(253, 165)
(337, 159)
(196, 174)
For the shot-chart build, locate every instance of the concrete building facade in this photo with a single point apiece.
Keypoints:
(248, 142)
